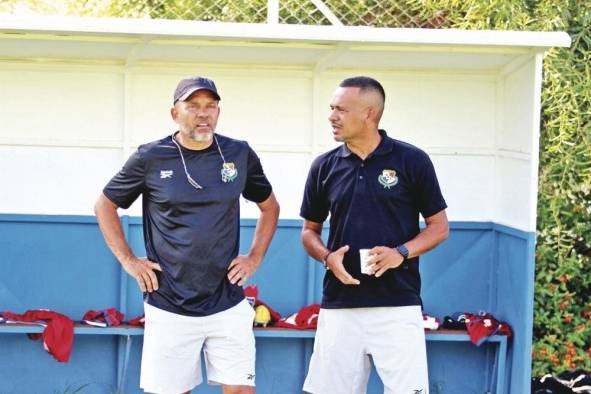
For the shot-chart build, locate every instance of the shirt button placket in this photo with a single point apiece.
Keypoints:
(361, 170)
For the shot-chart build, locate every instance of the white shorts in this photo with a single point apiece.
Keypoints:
(172, 348)
(393, 337)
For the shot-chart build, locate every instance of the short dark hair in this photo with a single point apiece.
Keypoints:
(365, 84)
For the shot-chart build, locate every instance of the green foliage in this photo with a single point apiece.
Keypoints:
(562, 312)
(254, 11)
(562, 328)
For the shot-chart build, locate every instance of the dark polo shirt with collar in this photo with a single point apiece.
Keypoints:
(372, 202)
(193, 234)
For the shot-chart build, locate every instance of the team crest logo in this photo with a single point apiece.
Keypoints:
(229, 172)
(388, 178)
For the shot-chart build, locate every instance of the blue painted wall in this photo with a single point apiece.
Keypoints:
(62, 263)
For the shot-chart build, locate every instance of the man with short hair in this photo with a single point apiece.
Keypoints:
(374, 188)
(190, 183)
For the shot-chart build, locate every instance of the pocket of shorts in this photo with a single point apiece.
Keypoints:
(248, 310)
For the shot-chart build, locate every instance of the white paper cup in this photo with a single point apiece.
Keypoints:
(364, 258)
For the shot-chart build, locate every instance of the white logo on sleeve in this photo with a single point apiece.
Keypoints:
(166, 174)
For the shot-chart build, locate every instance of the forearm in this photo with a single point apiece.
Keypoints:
(110, 226)
(429, 238)
(265, 228)
(314, 245)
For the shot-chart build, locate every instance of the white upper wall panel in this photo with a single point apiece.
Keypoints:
(456, 113)
(265, 107)
(150, 101)
(287, 173)
(442, 112)
(468, 98)
(468, 186)
(518, 143)
(67, 103)
(513, 194)
(518, 106)
(56, 180)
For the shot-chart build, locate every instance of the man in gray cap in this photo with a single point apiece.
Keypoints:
(192, 277)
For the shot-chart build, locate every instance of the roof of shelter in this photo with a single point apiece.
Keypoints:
(157, 40)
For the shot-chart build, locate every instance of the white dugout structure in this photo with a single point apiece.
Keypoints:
(78, 95)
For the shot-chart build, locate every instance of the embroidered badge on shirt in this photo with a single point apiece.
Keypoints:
(229, 172)
(166, 174)
(388, 178)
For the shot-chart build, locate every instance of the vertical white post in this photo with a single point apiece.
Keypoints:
(273, 12)
(535, 139)
(126, 137)
(315, 149)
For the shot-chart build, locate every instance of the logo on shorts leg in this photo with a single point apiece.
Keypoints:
(418, 391)
(164, 174)
(249, 376)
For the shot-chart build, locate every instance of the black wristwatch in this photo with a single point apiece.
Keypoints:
(403, 250)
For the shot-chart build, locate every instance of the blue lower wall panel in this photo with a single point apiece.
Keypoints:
(26, 368)
(449, 373)
(60, 266)
(62, 263)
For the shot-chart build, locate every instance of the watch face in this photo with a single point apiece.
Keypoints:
(403, 251)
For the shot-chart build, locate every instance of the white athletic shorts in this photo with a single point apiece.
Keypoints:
(348, 339)
(172, 348)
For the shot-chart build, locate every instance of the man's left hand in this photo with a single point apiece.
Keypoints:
(241, 268)
(384, 258)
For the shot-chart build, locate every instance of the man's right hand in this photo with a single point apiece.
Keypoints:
(142, 270)
(334, 262)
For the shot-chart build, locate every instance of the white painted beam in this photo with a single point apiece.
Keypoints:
(122, 27)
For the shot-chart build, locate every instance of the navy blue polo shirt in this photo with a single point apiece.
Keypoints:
(193, 234)
(372, 202)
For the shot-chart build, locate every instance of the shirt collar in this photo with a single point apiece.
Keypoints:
(385, 146)
(343, 151)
